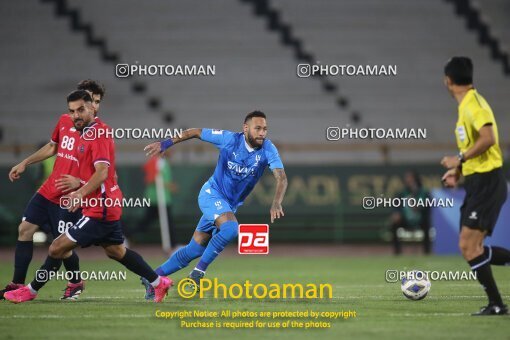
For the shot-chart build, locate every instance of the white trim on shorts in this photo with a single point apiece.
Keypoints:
(81, 222)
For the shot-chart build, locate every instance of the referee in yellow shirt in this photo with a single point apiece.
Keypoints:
(480, 162)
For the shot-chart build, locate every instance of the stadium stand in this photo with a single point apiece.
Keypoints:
(35, 88)
(372, 32)
(495, 14)
(476, 22)
(192, 32)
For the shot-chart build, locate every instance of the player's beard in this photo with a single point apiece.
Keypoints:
(254, 143)
(79, 124)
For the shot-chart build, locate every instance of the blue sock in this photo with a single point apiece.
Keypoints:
(228, 232)
(181, 258)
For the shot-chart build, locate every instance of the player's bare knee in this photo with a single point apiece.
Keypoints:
(474, 252)
(112, 255)
(201, 238)
(115, 253)
(469, 249)
(228, 216)
(55, 251)
(471, 243)
(26, 231)
(464, 243)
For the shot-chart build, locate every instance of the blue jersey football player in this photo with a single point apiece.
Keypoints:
(242, 160)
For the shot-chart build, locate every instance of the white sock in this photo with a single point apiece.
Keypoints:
(155, 283)
(32, 290)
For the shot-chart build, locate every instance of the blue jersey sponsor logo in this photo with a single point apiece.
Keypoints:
(240, 170)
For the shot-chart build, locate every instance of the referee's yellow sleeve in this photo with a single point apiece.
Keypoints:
(480, 118)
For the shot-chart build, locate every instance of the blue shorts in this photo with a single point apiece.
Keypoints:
(89, 231)
(49, 216)
(212, 204)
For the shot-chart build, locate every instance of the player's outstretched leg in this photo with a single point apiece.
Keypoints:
(180, 259)
(498, 256)
(227, 233)
(75, 286)
(22, 256)
(135, 263)
(471, 246)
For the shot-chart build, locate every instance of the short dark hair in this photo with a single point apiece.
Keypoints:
(92, 86)
(459, 70)
(252, 114)
(77, 95)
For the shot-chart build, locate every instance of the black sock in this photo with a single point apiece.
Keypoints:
(482, 268)
(72, 264)
(498, 256)
(42, 275)
(135, 263)
(22, 257)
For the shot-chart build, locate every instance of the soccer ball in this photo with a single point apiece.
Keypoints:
(415, 285)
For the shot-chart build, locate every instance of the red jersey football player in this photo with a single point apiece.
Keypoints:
(43, 212)
(100, 199)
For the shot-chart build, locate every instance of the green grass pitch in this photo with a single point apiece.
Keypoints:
(116, 310)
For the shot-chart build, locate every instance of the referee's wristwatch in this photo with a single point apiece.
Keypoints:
(461, 158)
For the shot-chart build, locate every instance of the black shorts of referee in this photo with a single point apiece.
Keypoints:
(485, 195)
